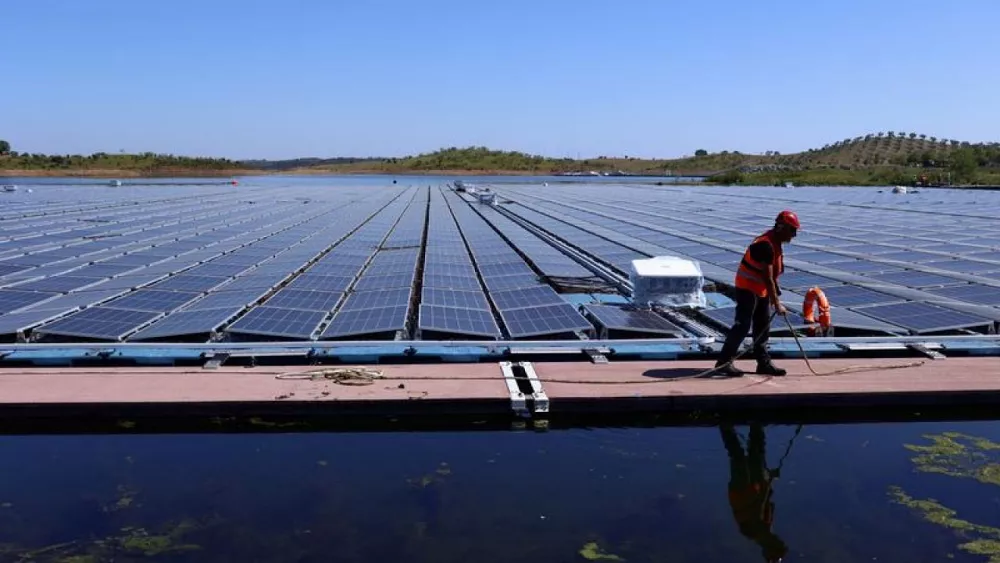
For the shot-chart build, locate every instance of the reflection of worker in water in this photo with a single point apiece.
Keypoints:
(750, 490)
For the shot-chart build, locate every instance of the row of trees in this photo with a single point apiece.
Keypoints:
(14, 160)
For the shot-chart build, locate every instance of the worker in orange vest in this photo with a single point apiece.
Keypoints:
(750, 491)
(756, 292)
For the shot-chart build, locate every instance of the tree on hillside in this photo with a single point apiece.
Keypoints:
(963, 164)
(880, 134)
(701, 152)
(923, 137)
(933, 139)
(4, 147)
(913, 135)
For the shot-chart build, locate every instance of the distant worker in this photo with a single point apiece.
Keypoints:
(751, 491)
(756, 292)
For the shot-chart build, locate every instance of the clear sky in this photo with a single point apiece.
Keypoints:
(279, 79)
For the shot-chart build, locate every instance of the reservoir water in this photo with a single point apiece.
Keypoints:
(826, 493)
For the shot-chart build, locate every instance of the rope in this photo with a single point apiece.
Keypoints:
(357, 375)
(848, 369)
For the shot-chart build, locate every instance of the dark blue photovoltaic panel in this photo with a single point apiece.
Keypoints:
(618, 318)
(921, 317)
(226, 300)
(101, 322)
(454, 298)
(504, 269)
(852, 295)
(272, 321)
(915, 279)
(13, 299)
(184, 323)
(377, 299)
(504, 283)
(13, 322)
(865, 267)
(57, 284)
(538, 321)
(527, 297)
(446, 269)
(366, 321)
(303, 299)
(70, 301)
(971, 293)
(476, 322)
(451, 282)
(796, 280)
(368, 283)
(187, 282)
(153, 300)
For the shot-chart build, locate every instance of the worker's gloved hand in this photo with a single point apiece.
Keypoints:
(780, 309)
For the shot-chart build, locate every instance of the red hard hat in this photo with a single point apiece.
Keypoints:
(788, 218)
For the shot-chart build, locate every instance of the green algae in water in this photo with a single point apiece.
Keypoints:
(132, 541)
(966, 457)
(959, 455)
(593, 552)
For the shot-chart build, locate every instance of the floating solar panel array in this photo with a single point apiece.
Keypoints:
(304, 261)
(921, 263)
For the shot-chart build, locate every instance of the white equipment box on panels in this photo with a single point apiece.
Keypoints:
(669, 281)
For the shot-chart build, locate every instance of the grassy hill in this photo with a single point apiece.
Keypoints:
(877, 158)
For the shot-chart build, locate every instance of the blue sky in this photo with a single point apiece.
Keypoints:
(255, 79)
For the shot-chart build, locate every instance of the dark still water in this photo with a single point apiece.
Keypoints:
(842, 493)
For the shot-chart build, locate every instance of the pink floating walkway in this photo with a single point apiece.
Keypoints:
(443, 389)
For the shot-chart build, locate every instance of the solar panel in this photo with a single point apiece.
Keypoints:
(58, 284)
(505, 269)
(368, 283)
(915, 279)
(503, 283)
(971, 293)
(187, 282)
(366, 321)
(527, 297)
(919, 317)
(377, 299)
(101, 322)
(463, 269)
(183, 323)
(477, 322)
(123, 283)
(13, 299)
(549, 319)
(153, 300)
(454, 298)
(304, 299)
(618, 318)
(451, 282)
(226, 300)
(273, 321)
(14, 322)
(70, 301)
(965, 266)
(795, 280)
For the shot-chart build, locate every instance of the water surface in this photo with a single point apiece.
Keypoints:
(609, 494)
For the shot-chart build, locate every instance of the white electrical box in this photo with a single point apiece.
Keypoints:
(669, 281)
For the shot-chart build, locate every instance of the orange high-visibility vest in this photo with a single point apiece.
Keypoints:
(752, 275)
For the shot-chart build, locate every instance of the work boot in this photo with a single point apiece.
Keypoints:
(766, 367)
(727, 369)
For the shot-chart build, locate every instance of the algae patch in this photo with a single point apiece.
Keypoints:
(959, 455)
(966, 457)
(593, 552)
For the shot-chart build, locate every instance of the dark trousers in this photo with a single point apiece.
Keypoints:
(751, 311)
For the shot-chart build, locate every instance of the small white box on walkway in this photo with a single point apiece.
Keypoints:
(669, 281)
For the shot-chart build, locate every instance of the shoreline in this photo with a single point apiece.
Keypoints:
(119, 173)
